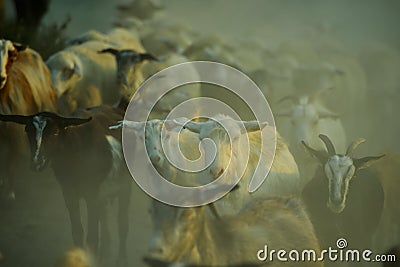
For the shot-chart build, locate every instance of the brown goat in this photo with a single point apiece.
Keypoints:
(87, 161)
(25, 88)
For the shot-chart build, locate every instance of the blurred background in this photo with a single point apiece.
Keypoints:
(360, 37)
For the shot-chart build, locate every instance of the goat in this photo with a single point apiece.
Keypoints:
(25, 88)
(129, 75)
(283, 178)
(87, 161)
(83, 78)
(308, 118)
(345, 198)
(190, 236)
(162, 149)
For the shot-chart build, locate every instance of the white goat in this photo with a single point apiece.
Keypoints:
(174, 146)
(190, 236)
(83, 78)
(309, 119)
(283, 178)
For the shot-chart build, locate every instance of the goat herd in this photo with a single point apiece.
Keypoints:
(69, 111)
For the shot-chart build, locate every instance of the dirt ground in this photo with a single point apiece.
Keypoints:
(35, 230)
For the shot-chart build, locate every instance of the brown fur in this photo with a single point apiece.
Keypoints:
(28, 90)
(279, 222)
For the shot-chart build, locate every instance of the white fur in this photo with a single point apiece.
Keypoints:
(82, 77)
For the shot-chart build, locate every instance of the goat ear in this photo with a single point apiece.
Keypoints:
(322, 156)
(171, 124)
(67, 122)
(325, 113)
(134, 125)
(147, 56)
(20, 47)
(365, 162)
(109, 50)
(194, 126)
(20, 119)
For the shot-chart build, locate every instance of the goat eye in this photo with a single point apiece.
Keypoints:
(67, 73)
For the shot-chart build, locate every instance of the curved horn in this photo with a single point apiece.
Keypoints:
(353, 146)
(328, 144)
(291, 98)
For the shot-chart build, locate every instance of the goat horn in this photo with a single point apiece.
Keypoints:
(353, 146)
(291, 98)
(194, 126)
(328, 144)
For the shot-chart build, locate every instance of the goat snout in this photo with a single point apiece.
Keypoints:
(336, 206)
